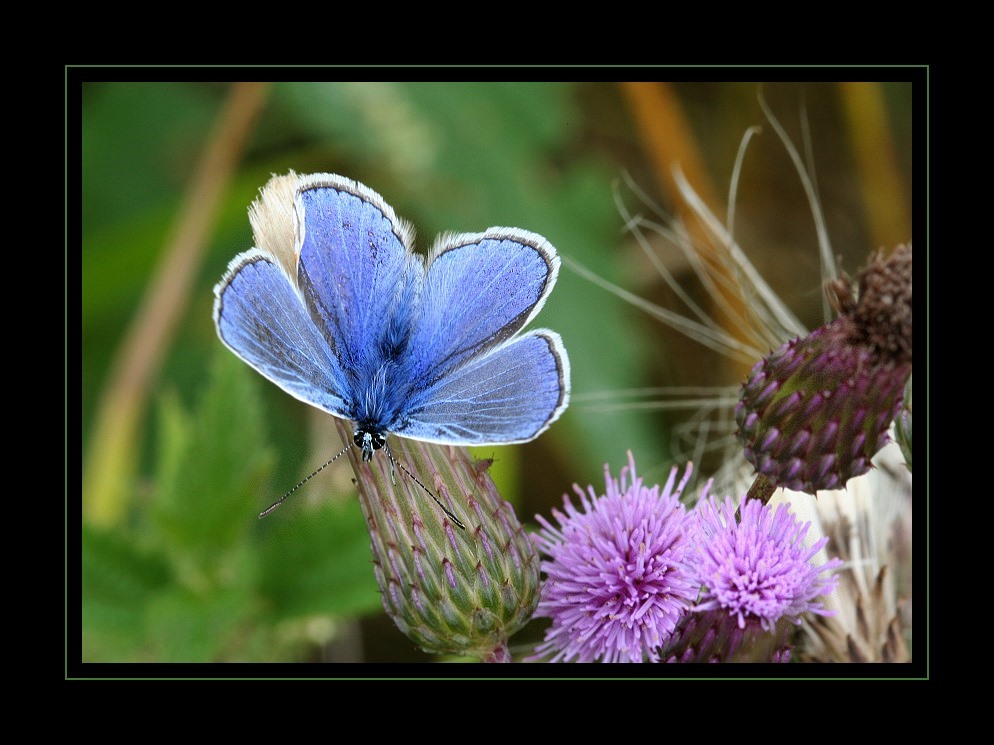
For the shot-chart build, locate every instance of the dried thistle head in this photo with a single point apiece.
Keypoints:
(868, 526)
(882, 315)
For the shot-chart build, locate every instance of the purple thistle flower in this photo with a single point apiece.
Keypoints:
(617, 572)
(759, 568)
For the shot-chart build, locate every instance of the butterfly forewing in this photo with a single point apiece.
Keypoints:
(479, 291)
(260, 317)
(355, 273)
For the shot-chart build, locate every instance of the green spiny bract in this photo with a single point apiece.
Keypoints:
(902, 426)
(450, 589)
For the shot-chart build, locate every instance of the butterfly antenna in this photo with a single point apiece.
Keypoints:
(281, 500)
(417, 481)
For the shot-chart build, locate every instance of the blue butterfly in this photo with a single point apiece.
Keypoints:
(349, 319)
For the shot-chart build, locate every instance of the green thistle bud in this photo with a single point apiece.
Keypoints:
(902, 425)
(449, 589)
(813, 413)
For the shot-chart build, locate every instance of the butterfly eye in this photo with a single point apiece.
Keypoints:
(368, 441)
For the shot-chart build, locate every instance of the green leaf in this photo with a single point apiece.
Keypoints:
(319, 562)
(186, 626)
(211, 465)
(118, 582)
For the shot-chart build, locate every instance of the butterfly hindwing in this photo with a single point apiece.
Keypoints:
(511, 394)
(477, 382)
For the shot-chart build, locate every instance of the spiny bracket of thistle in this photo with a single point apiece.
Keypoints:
(813, 413)
(449, 590)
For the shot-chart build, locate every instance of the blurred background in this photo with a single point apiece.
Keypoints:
(183, 444)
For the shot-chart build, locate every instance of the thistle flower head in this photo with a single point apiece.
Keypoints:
(617, 572)
(871, 532)
(451, 590)
(813, 413)
(760, 568)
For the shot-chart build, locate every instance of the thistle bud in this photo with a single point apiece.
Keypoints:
(814, 412)
(717, 636)
(902, 426)
(460, 589)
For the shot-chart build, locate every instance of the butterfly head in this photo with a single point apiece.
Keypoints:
(368, 441)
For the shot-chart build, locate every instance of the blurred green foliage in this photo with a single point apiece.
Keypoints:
(192, 578)
(191, 574)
